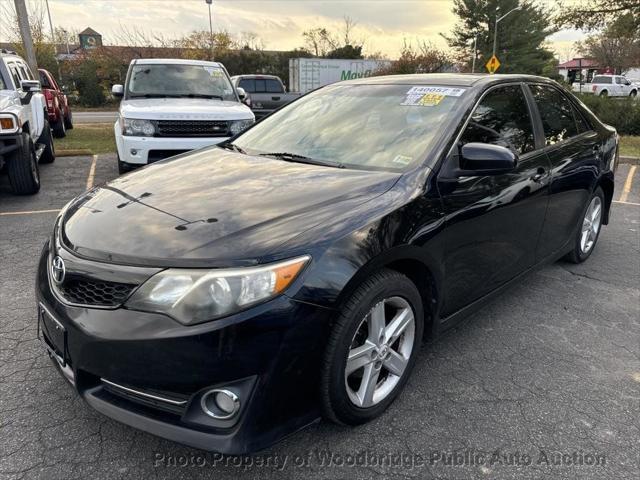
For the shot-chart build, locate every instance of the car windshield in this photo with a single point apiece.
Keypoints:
(173, 80)
(378, 127)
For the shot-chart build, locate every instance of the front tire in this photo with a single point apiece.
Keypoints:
(22, 168)
(590, 227)
(49, 153)
(372, 348)
(633, 93)
(604, 93)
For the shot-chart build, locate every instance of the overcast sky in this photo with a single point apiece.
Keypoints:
(384, 24)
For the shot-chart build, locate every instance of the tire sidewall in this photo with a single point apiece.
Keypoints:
(579, 254)
(343, 410)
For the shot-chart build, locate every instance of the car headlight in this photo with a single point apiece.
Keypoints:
(138, 128)
(194, 295)
(8, 123)
(238, 126)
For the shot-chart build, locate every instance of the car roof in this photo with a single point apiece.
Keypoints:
(174, 61)
(258, 76)
(452, 79)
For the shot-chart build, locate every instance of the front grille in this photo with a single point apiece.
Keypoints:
(97, 293)
(192, 128)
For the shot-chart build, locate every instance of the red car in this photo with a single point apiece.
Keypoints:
(60, 117)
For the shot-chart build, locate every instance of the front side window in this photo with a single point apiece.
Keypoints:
(556, 113)
(502, 118)
(44, 80)
(177, 80)
(378, 127)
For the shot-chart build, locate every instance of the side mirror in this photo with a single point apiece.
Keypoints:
(244, 96)
(117, 90)
(30, 86)
(485, 159)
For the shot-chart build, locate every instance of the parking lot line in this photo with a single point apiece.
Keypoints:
(627, 184)
(92, 172)
(29, 212)
(626, 203)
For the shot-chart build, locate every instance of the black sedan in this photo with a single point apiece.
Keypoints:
(230, 296)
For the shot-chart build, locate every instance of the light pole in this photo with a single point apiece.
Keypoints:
(53, 42)
(475, 53)
(209, 3)
(495, 30)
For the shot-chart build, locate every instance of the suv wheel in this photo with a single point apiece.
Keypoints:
(372, 348)
(46, 139)
(22, 168)
(60, 128)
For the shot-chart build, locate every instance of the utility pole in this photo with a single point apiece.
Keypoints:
(475, 53)
(495, 30)
(53, 42)
(209, 3)
(25, 33)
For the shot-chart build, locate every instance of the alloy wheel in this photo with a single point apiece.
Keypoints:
(591, 225)
(380, 352)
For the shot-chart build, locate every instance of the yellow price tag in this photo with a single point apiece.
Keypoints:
(430, 99)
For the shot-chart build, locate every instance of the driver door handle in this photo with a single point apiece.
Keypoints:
(540, 175)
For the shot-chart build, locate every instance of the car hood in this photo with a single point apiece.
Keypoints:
(184, 109)
(211, 208)
(7, 98)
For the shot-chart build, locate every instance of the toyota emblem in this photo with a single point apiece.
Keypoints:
(57, 270)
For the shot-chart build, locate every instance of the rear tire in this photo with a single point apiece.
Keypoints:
(68, 121)
(604, 93)
(633, 93)
(589, 229)
(46, 139)
(22, 168)
(59, 128)
(360, 354)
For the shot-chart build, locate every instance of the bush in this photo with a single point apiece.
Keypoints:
(621, 113)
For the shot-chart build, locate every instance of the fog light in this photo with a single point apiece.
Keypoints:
(134, 151)
(220, 404)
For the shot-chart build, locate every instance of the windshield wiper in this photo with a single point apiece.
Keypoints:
(200, 95)
(232, 146)
(294, 157)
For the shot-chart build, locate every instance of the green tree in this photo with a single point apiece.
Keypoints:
(593, 14)
(521, 36)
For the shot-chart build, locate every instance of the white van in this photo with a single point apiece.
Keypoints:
(171, 106)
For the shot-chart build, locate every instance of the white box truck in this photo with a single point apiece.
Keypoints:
(306, 74)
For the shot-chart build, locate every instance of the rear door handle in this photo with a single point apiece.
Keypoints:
(540, 175)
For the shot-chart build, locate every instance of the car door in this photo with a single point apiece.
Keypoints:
(492, 222)
(574, 151)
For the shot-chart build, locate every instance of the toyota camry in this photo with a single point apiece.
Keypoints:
(227, 297)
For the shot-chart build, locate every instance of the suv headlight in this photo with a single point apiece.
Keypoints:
(194, 295)
(8, 123)
(238, 126)
(137, 128)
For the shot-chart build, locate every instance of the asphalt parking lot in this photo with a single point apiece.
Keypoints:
(550, 368)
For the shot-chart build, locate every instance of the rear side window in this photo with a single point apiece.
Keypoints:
(597, 79)
(556, 113)
(249, 85)
(44, 80)
(502, 118)
(274, 86)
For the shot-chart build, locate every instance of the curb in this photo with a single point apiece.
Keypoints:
(630, 160)
(73, 153)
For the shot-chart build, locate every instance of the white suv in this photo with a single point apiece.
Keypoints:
(25, 135)
(172, 106)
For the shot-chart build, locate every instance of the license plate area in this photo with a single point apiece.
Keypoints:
(52, 335)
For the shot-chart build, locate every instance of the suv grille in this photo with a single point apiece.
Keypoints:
(95, 292)
(192, 128)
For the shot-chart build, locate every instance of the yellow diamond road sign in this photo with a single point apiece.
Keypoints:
(493, 64)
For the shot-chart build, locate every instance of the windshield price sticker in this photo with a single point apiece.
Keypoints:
(446, 91)
(214, 72)
(426, 100)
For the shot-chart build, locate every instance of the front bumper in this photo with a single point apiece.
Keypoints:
(268, 353)
(145, 150)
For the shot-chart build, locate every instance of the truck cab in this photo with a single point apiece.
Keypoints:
(171, 106)
(608, 86)
(25, 135)
(267, 92)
